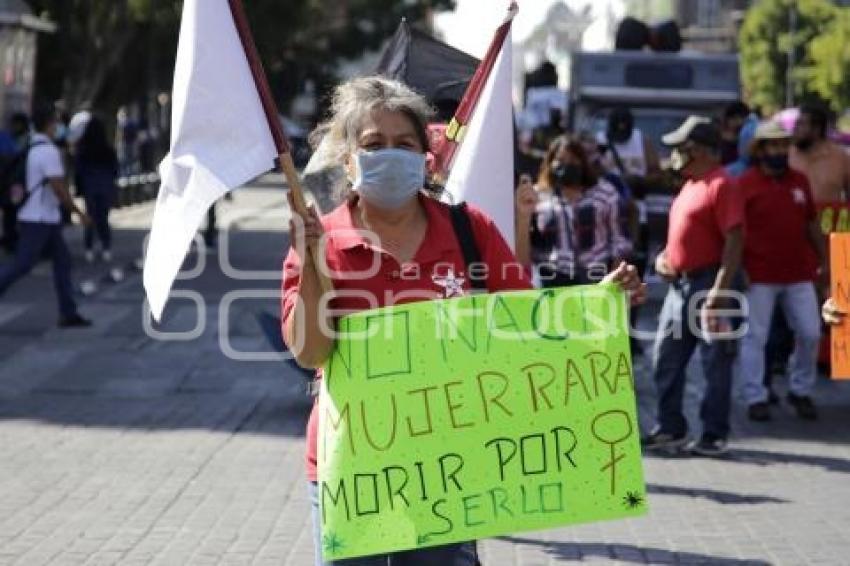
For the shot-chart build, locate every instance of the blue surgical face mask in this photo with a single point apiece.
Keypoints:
(389, 178)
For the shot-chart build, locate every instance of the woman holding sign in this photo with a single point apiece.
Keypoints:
(391, 242)
(576, 231)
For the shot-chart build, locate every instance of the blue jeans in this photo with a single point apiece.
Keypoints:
(675, 344)
(34, 239)
(462, 554)
(99, 201)
(800, 305)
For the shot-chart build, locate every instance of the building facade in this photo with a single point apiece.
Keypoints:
(18, 40)
(711, 25)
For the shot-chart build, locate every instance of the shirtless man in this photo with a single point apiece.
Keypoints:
(825, 163)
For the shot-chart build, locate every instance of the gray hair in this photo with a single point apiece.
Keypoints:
(352, 102)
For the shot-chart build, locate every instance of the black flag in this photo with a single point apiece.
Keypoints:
(436, 70)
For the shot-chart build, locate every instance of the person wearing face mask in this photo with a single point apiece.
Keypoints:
(629, 152)
(824, 162)
(40, 219)
(701, 261)
(734, 117)
(783, 253)
(391, 241)
(16, 140)
(631, 155)
(576, 230)
(779, 343)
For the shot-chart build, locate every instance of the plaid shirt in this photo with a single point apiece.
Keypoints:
(579, 235)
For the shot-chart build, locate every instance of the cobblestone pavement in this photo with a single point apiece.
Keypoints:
(118, 448)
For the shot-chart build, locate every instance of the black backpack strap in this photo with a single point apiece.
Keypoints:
(27, 192)
(617, 160)
(466, 237)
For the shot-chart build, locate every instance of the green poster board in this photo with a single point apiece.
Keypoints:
(458, 419)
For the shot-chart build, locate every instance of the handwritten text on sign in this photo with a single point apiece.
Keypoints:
(453, 420)
(834, 217)
(839, 251)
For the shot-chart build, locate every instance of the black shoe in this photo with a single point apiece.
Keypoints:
(658, 440)
(759, 412)
(803, 406)
(772, 397)
(711, 446)
(75, 321)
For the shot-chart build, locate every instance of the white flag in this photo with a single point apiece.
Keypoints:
(220, 138)
(483, 169)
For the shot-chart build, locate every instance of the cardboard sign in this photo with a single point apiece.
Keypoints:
(834, 217)
(452, 420)
(839, 269)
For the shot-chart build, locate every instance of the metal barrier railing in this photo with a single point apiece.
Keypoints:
(136, 189)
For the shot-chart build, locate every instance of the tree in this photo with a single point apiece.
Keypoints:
(766, 41)
(306, 39)
(105, 51)
(829, 76)
(109, 52)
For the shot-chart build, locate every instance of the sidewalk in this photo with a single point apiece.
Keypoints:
(118, 448)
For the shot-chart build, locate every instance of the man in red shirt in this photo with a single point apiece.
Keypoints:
(701, 261)
(783, 252)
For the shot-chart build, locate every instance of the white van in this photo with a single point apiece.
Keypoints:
(661, 89)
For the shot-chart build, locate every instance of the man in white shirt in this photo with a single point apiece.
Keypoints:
(631, 155)
(40, 219)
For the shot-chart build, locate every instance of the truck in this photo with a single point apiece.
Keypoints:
(661, 89)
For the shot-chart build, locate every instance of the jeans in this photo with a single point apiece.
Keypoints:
(10, 228)
(780, 343)
(800, 305)
(99, 201)
(35, 238)
(675, 343)
(461, 554)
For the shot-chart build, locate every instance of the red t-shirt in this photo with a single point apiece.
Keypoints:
(433, 273)
(777, 249)
(701, 215)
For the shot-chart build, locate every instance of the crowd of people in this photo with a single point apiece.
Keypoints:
(729, 221)
(40, 158)
(740, 247)
(742, 232)
(392, 213)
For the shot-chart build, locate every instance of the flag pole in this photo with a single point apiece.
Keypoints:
(281, 143)
(457, 126)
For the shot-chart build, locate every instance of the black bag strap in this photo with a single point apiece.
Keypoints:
(623, 173)
(617, 159)
(466, 237)
(39, 187)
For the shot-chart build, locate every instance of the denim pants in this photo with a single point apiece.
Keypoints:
(799, 303)
(10, 227)
(462, 554)
(34, 239)
(99, 201)
(675, 343)
(780, 343)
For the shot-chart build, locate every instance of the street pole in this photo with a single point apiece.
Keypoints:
(792, 56)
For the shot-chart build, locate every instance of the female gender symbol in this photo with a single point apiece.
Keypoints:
(612, 465)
